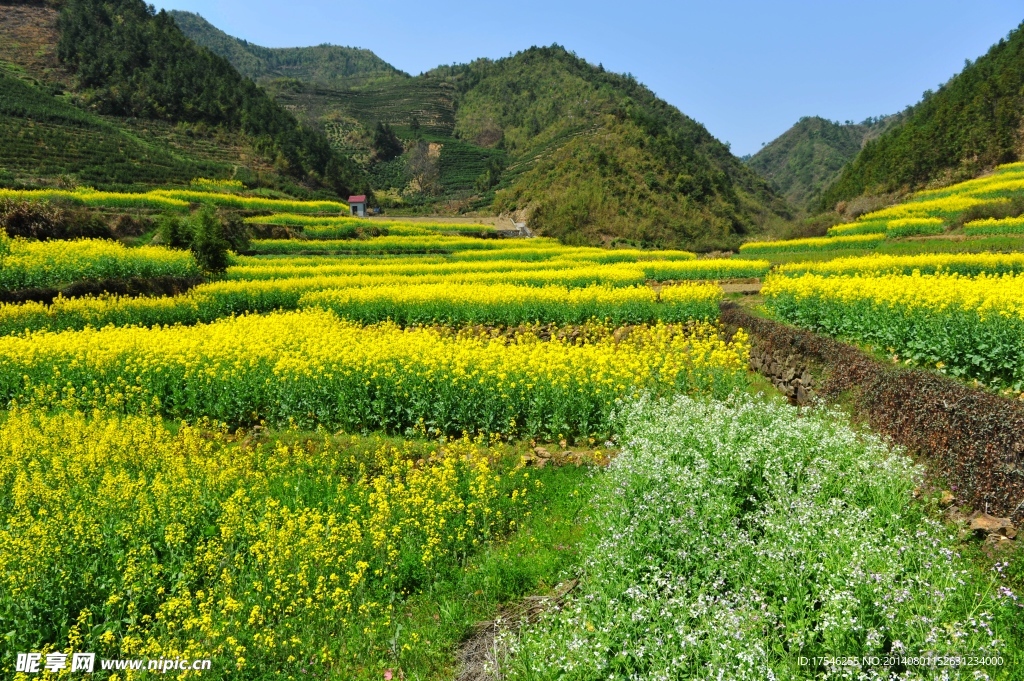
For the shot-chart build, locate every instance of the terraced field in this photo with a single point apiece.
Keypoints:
(395, 102)
(46, 137)
(385, 431)
(974, 216)
(346, 115)
(261, 435)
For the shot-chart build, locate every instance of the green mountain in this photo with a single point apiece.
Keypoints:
(45, 136)
(595, 156)
(330, 65)
(583, 154)
(805, 159)
(110, 93)
(970, 124)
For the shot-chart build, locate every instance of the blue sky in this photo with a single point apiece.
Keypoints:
(746, 70)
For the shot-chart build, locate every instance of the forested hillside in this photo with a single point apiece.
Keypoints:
(805, 159)
(585, 155)
(113, 95)
(596, 155)
(971, 123)
(46, 136)
(129, 61)
(323, 64)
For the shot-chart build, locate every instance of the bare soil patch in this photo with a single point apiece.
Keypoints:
(28, 38)
(481, 655)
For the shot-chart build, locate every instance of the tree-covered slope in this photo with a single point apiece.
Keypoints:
(971, 123)
(595, 156)
(810, 155)
(330, 65)
(127, 60)
(44, 135)
(45, 138)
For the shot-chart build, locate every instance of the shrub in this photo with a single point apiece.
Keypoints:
(207, 235)
(40, 220)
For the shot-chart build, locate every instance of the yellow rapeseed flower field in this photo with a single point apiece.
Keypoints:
(1007, 176)
(121, 538)
(393, 244)
(946, 205)
(34, 264)
(995, 226)
(928, 263)
(314, 369)
(175, 200)
(514, 297)
(814, 244)
(508, 304)
(927, 212)
(313, 225)
(137, 521)
(969, 326)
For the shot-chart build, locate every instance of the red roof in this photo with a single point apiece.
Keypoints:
(357, 199)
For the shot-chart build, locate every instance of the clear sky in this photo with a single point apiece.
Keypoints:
(747, 70)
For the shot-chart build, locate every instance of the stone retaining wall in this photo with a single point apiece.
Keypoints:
(971, 437)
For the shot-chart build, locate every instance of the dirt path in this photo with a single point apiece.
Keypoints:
(481, 220)
(481, 655)
(749, 289)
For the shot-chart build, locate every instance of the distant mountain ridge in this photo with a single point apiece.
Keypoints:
(586, 155)
(331, 65)
(805, 159)
(973, 122)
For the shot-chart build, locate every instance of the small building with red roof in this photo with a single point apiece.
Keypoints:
(357, 205)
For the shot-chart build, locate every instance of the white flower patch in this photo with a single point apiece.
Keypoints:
(739, 538)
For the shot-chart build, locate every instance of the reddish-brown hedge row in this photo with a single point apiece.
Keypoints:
(972, 438)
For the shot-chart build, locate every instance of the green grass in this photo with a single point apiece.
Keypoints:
(545, 551)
